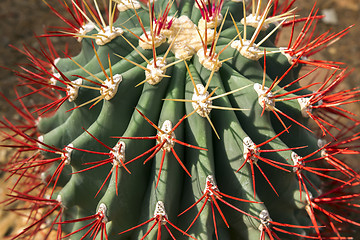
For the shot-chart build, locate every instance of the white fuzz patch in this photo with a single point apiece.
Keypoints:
(56, 60)
(155, 75)
(249, 51)
(119, 153)
(183, 51)
(321, 143)
(168, 31)
(124, 5)
(305, 106)
(210, 186)
(265, 99)
(310, 197)
(102, 212)
(251, 152)
(254, 22)
(73, 90)
(53, 80)
(104, 37)
(160, 212)
(88, 27)
(43, 177)
(202, 103)
(37, 120)
(40, 139)
(112, 87)
(59, 198)
(296, 160)
(166, 136)
(211, 24)
(188, 41)
(207, 61)
(66, 156)
(291, 59)
(264, 219)
(147, 43)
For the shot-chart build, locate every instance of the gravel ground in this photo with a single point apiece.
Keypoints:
(20, 20)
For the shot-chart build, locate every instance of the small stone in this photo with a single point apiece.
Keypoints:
(330, 16)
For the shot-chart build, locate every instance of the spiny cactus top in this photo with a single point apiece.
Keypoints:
(184, 120)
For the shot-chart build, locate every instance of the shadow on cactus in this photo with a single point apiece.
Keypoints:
(184, 120)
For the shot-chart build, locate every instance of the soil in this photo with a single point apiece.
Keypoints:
(20, 20)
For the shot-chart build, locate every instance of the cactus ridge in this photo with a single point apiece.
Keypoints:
(184, 120)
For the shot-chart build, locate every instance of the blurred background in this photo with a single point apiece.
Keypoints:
(20, 20)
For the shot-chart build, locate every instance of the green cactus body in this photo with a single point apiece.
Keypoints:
(182, 122)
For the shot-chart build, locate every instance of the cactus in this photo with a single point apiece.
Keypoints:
(184, 120)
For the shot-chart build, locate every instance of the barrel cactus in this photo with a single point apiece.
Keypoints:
(184, 120)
